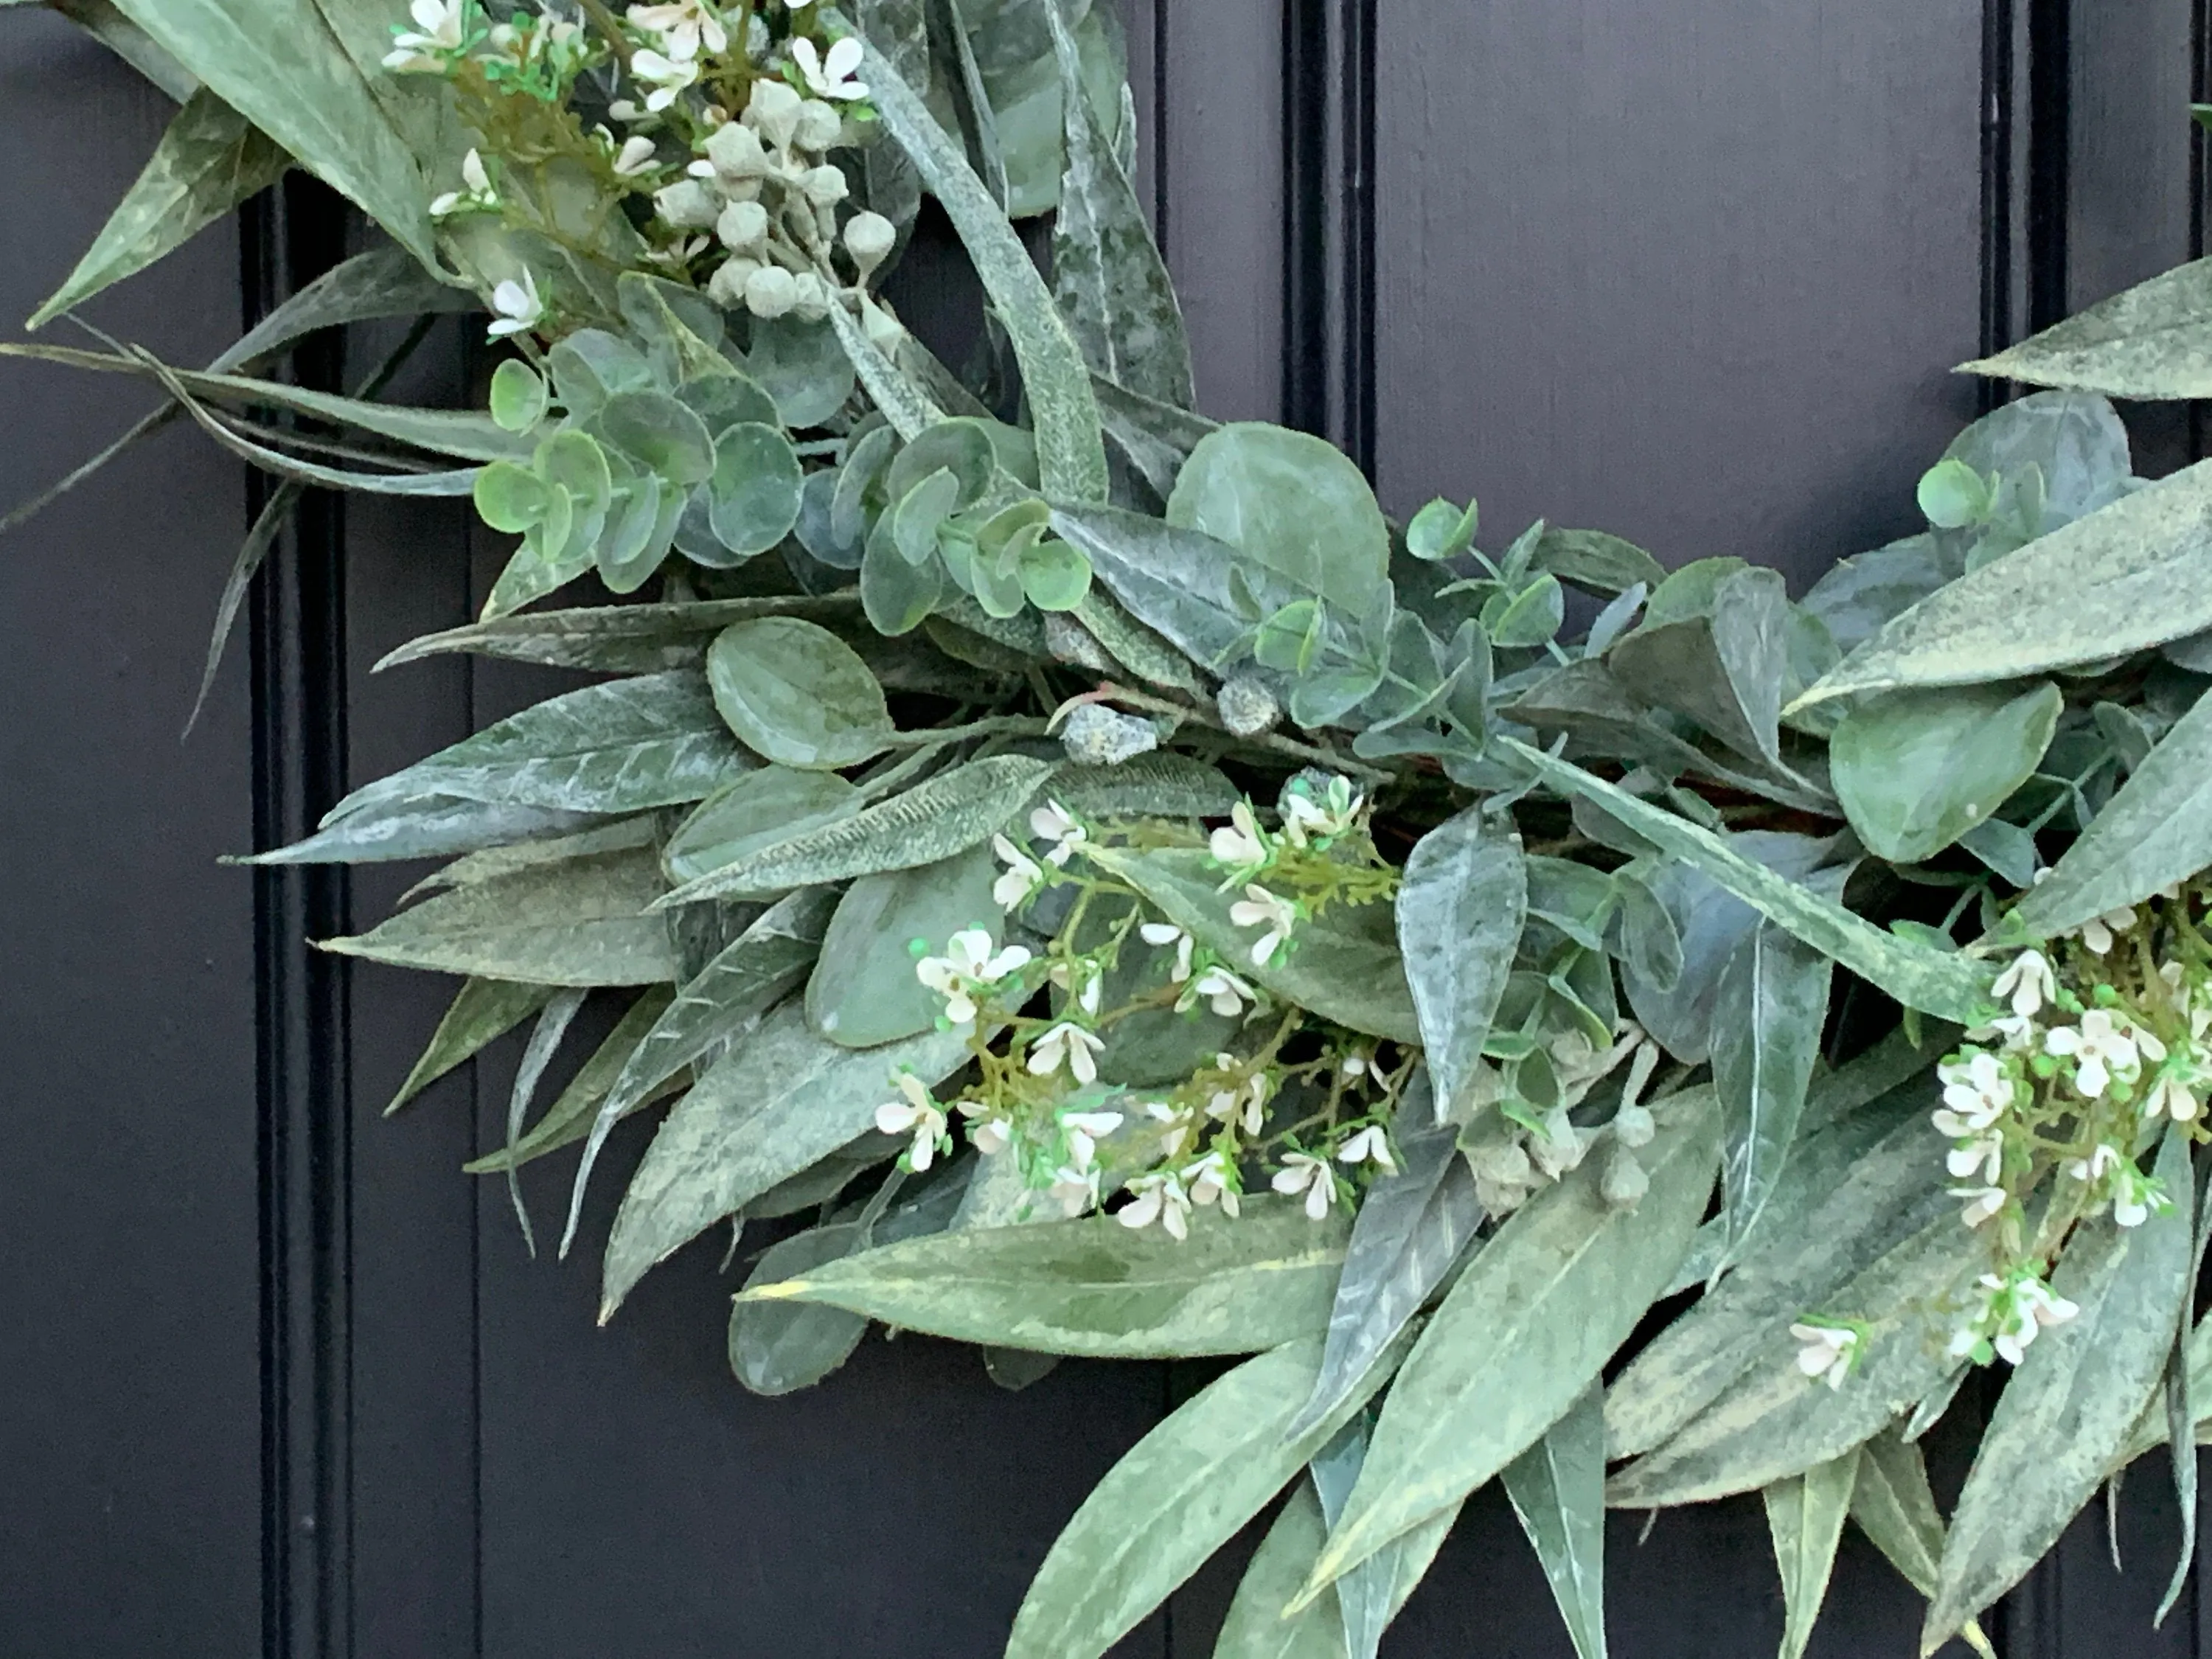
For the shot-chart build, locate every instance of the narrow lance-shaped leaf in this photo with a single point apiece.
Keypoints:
(482, 1011)
(553, 1023)
(1558, 1490)
(1767, 1026)
(1182, 1493)
(1952, 988)
(1363, 1595)
(2151, 342)
(2065, 1416)
(1411, 1229)
(209, 161)
(431, 825)
(2182, 1405)
(1895, 1508)
(1106, 273)
(1095, 1287)
(568, 1119)
(101, 20)
(1523, 1333)
(1460, 905)
(627, 639)
(1805, 1514)
(1258, 1628)
(1071, 443)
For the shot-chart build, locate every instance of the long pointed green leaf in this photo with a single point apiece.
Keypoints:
(483, 1010)
(2151, 342)
(1767, 1028)
(425, 826)
(625, 639)
(1952, 988)
(1805, 1514)
(2184, 1404)
(569, 1118)
(101, 20)
(1558, 1490)
(2065, 1416)
(209, 161)
(1257, 1627)
(1460, 909)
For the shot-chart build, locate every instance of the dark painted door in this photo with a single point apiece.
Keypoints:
(276, 1376)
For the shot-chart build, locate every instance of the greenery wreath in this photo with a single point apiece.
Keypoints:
(1115, 893)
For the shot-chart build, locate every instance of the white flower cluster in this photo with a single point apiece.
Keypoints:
(2009, 1310)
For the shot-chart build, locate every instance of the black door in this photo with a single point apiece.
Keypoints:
(277, 1374)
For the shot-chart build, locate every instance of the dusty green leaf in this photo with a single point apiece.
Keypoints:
(1805, 1516)
(1343, 965)
(1915, 770)
(2127, 578)
(1292, 503)
(1952, 988)
(1156, 438)
(1592, 559)
(2156, 831)
(1558, 1490)
(1460, 909)
(1162, 785)
(2075, 443)
(1524, 1332)
(935, 820)
(2064, 1418)
(568, 1119)
(863, 991)
(579, 923)
(778, 1103)
(1095, 1287)
(426, 826)
(759, 809)
(209, 161)
(483, 1010)
(1717, 653)
(1256, 1627)
(1179, 583)
(2151, 342)
(627, 639)
(1182, 1493)
(1772, 1011)
(1895, 1507)
(101, 20)
(796, 693)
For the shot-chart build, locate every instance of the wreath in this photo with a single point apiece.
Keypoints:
(1102, 888)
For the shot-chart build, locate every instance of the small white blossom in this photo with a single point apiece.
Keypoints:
(1178, 1128)
(2172, 1096)
(1982, 1203)
(683, 27)
(1242, 845)
(1222, 992)
(2100, 1046)
(1160, 935)
(1157, 1197)
(636, 157)
(476, 192)
(518, 306)
(1369, 1146)
(2098, 933)
(830, 76)
(917, 1115)
(1829, 1351)
(1074, 1190)
(2027, 984)
(1271, 911)
(1089, 992)
(987, 1133)
(1069, 1044)
(1984, 1153)
(1213, 1180)
(1306, 820)
(1055, 823)
(1021, 878)
(437, 31)
(2013, 1311)
(2012, 1033)
(1085, 1130)
(1241, 1103)
(1977, 1092)
(1312, 1176)
(968, 967)
(667, 73)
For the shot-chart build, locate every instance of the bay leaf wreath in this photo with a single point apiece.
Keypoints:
(1137, 900)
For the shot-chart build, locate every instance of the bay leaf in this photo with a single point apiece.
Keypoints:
(1460, 909)
(1768, 1021)
(1805, 1514)
(482, 1011)
(1557, 1491)
(863, 990)
(1292, 503)
(1916, 770)
(794, 692)
(2151, 342)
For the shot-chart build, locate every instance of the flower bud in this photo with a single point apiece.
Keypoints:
(742, 227)
(1247, 707)
(817, 126)
(811, 297)
(735, 153)
(687, 204)
(727, 288)
(773, 112)
(1624, 1183)
(885, 332)
(1094, 735)
(771, 292)
(869, 238)
(825, 186)
(1632, 1126)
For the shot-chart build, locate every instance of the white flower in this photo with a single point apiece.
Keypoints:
(1157, 1197)
(1982, 1203)
(987, 1133)
(1243, 1104)
(476, 189)
(1022, 878)
(2100, 1046)
(1982, 1152)
(2095, 1168)
(968, 967)
(1311, 1175)
(2028, 984)
(1244, 845)
(2034, 1305)
(666, 72)
(1977, 1092)
(1055, 823)
(2013, 1034)
(1074, 1190)
(1178, 1129)
(1225, 994)
(2097, 933)
(683, 27)
(438, 28)
(1161, 934)
(1211, 1180)
(1070, 1043)
(1369, 1146)
(1305, 819)
(518, 306)
(1092, 989)
(635, 157)
(1260, 909)
(830, 76)
(1829, 1352)
(1085, 1130)
(917, 1115)
(2171, 1097)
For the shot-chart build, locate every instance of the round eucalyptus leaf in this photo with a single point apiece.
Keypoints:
(998, 585)
(750, 811)
(864, 991)
(1287, 640)
(1441, 531)
(794, 692)
(1529, 620)
(639, 529)
(1054, 575)
(723, 400)
(694, 533)
(655, 430)
(510, 498)
(859, 485)
(1322, 699)
(1292, 503)
(1915, 770)
(802, 366)
(963, 448)
(571, 460)
(923, 507)
(549, 537)
(519, 397)
(591, 366)
(1954, 495)
(817, 526)
(894, 594)
(752, 501)
(1014, 529)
